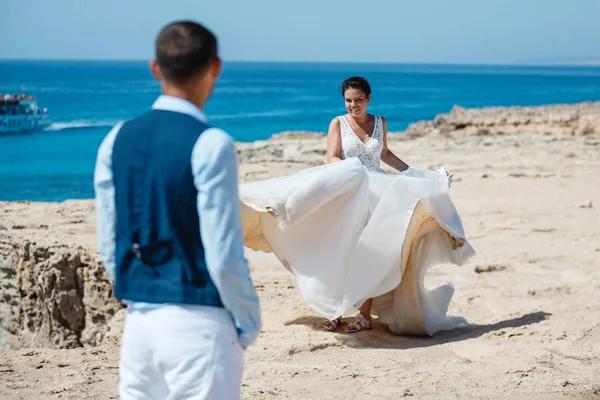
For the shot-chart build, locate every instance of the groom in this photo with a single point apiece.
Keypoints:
(170, 235)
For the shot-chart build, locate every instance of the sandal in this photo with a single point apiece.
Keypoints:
(360, 323)
(332, 325)
(456, 243)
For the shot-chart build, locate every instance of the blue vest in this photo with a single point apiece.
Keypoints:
(159, 253)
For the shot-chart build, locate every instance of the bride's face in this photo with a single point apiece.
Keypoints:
(356, 102)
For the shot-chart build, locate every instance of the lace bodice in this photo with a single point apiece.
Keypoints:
(370, 153)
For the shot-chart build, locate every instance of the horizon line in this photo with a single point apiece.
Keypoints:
(591, 63)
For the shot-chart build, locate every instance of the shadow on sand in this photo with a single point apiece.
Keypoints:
(380, 337)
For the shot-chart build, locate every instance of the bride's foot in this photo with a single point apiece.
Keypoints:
(360, 323)
(456, 243)
(331, 325)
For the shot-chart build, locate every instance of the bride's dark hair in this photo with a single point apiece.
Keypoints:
(356, 82)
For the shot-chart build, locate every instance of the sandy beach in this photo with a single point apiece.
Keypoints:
(527, 186)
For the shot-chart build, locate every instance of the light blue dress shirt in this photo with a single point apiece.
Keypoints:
(215, 170)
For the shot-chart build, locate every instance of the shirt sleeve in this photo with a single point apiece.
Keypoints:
(105, 202)
(215, 169)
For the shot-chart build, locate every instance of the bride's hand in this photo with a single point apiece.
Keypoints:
(444, 171)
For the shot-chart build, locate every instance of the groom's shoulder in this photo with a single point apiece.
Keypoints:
(215, 139)
(215, 135)
(105, 148)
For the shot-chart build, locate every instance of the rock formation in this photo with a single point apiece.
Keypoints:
(561, 119)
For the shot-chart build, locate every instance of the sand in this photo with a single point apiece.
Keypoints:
(530, 205)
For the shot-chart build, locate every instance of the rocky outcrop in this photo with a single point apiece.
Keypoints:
(562, 119)
(55, 296)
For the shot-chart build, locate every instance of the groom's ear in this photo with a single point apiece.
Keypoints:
(155, 70)
(216, 67)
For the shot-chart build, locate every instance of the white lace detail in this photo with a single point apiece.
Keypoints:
(370, 153)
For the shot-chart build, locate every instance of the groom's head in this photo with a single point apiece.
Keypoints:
(186, 61)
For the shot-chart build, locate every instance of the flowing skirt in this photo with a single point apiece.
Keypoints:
(349, 234)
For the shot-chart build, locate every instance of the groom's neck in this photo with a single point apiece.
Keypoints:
(198, 98)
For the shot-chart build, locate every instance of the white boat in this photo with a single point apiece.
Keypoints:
(21, 113)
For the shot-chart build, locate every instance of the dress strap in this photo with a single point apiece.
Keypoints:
(378, 129)
(344, 125)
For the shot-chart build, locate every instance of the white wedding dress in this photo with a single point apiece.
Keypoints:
(349, 232)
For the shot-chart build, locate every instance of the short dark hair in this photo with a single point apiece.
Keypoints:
(356, 82)
(184, 49)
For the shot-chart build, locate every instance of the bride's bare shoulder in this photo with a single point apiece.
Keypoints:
(335, 128)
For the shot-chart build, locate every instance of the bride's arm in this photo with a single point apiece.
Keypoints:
(334, 142)
(386, 154)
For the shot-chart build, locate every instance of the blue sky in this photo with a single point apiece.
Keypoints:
(426, 31)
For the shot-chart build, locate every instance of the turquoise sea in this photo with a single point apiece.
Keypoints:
(252, 101)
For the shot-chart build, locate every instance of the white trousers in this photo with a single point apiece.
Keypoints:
(180, 352)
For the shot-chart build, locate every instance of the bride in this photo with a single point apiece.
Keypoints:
(356, 237)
